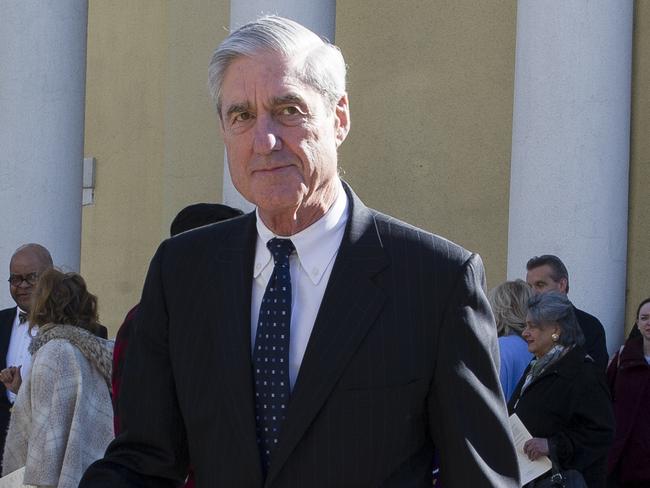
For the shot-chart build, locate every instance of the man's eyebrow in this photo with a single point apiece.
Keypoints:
(289, 98)
(238, 108)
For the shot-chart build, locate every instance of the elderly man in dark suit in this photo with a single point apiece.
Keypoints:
(314, 342)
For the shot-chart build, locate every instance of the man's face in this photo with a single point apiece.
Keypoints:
(541, 280)
(26, 264)
(280, 135)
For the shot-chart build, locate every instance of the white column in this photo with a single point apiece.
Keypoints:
(570, 148)
(42, 90)
(317, 15)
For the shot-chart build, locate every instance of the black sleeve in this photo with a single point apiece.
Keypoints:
(595, 343)
(467, 412)
(591, 427)
(152, 448)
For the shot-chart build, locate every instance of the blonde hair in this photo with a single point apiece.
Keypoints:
(509, 302)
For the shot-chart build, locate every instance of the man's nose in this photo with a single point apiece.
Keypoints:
(267, 137)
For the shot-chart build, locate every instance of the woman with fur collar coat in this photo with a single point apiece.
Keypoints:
(62, 420)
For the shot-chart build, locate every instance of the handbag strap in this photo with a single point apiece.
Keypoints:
(557, 478)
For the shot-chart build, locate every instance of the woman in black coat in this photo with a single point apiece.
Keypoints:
(562, 398)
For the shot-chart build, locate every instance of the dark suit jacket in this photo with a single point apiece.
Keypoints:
(595, 344)
(7, 317)
(401, 359)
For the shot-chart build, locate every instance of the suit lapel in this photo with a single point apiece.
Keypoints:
(6, 324)
(234, 272)
(349, 308)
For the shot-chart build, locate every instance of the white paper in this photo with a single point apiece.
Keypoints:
(13, 479)
(528, 470)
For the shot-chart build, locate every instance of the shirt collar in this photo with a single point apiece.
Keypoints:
(316, 246)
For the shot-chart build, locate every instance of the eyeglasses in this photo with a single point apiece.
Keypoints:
(17, 280)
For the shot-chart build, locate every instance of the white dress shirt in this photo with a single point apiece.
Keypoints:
(17, 353)
(311, 266)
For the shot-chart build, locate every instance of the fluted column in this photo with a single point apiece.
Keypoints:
(42, 91)
(570, 148)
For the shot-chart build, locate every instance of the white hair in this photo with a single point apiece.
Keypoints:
(319, 64)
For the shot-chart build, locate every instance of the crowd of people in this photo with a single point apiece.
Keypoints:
(63, 388)
(314, 342)
(552, 376)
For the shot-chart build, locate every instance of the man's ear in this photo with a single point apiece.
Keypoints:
(563, 285)
(342, 119)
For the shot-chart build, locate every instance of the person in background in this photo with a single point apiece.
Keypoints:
(562, 398)
(62, 420)
(26, 265)
(191, 217)
(509, 302)
(628, 376)
(548, 273)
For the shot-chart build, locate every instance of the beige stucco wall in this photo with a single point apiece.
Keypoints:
(638, 259)
(431, 90)
(150, 126)
(431, 86)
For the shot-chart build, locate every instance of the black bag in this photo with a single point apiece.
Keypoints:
(567, 478)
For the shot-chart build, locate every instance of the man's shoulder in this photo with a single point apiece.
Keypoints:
(7, 313)
(586, 318)
(395, 231)
(212, 236)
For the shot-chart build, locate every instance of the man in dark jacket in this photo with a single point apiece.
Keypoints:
(548, 273)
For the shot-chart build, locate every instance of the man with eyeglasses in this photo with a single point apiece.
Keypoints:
(25, 267)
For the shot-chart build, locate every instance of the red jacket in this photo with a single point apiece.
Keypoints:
(629, 382)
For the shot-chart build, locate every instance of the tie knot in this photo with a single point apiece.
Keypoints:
(22, 317)
(281, 250)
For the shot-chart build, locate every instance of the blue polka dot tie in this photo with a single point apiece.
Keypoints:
(271, 353)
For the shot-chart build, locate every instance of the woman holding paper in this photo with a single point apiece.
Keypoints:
(62, 419)
(562, 398)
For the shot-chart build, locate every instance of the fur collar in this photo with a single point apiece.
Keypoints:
(95, 349)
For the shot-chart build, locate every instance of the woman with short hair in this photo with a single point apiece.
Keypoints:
(562, 398)
(62, 419)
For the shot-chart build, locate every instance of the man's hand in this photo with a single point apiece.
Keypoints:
(535, 448)
(11, 378)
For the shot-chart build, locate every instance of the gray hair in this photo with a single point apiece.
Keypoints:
(555, 307)
(319, 64)
(509, 304)
(558, 269)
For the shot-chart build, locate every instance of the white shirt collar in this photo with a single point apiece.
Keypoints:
(315, 246)
(18, 312)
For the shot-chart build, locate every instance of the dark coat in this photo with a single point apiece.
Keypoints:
(569, 405)
(629, 383)
(594, 332)
(400, 360)
(7, 317)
